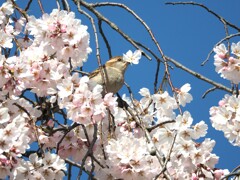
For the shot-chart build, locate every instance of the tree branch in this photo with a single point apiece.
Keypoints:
(206, 8)
(199, 76)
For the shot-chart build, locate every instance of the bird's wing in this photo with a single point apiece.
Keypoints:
(95, 72)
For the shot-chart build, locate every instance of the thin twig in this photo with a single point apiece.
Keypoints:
(237, 174)
(206, 8)
(70, 128)
(90, 150)
(28, 5)
(76, 165)
(156, 77)
(199, 76)
(41, 7)
(111, 24)
(159, 125)
(33, 125)
(218, 43)
(131, 12)
(29, 100)
(58, 5)
(22, 12)
(104, 39)
(97, 45)
(90, 177)
(81, 72)
(66, 5)
(154, 150)
(208, 91)
(168, 157)
(131, 94)
(69, 171)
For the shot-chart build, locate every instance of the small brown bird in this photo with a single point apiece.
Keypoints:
(113, 70)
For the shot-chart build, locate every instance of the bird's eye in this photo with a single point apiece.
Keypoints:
(119, 59)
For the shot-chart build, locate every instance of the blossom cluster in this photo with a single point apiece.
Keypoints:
(129, 155)
(8, 82)
(58, 39)
(50, 166)
(62, 35)
(15, 132)
(226, 65)
(129, 158)
(226, 118)
(83, 101)
(58, 44)
(6, 31)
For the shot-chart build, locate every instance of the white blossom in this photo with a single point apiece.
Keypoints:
(183, 95)
(131, 57)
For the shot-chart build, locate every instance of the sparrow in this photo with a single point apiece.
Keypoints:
(114, 70)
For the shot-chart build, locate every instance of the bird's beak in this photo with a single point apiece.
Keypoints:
(126, 64)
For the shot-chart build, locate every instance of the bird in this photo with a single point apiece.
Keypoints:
(113, 70)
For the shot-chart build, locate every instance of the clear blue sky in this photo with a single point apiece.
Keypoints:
(185, 33)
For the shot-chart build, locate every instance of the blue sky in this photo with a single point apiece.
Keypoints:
(185, 33)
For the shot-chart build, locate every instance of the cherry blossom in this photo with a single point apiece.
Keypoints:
(44, 67)
(61, 31)
(236, 49)
(15, 136)
(129, 159)
(48, 167)
(183, 96)
(225, 117)
(228, 66)
(131, 57)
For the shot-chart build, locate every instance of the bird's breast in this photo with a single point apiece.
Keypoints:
(114, 80)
